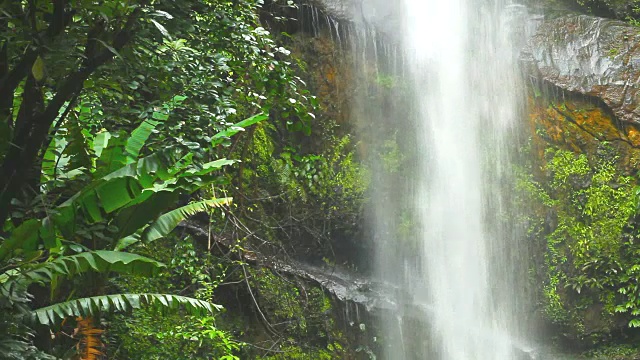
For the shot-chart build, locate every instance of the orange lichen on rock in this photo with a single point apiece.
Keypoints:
(581, 126)
(327, 73)
(634, 136)
(537, 120)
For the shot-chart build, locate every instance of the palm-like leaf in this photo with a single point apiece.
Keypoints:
(16, 281)
(101, 261)
(236, 128)
(167, 222)
(138, 138)
(18, 349)
(134, 195)
(93, 306)
(131, 191)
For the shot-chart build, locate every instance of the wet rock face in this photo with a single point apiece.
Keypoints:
(618, 9)
(592, 56)
(339, 9)
(383, 15)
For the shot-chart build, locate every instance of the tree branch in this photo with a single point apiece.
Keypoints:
(59, 20)
(28, 143)
(5, 100)
(10, 80)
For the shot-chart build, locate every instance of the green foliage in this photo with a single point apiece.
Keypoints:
(327, 191)
(165, 223)
(619, 352)
(130, 200)
(133, 194)
(148, 336)
(391, 156)
(386, 81)
(113, 114)
(299, 313)
(93, 306)
(590, 258)
(219, 137)
(295, 352)
(618, 8)
(145, 335)
(14, 296)
(98, 261)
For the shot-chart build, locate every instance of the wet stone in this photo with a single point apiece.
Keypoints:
(592, 56)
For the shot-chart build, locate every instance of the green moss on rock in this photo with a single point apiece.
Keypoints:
(582, 201)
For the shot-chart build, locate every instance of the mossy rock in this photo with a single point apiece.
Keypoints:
(580, 193)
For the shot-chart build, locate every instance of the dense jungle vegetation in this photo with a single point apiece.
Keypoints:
(119, 120)
(157, 155)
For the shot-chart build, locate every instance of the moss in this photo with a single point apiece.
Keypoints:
(300, 313)
(391, 156)
(294, 352)
(263, 146)
(614, 352)
(582, 208)
(581, 126)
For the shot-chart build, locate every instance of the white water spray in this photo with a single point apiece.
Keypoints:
(464, 262)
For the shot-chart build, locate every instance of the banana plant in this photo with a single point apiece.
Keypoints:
(134, 195)
(131, 197)
(102, 261)
(16, 316)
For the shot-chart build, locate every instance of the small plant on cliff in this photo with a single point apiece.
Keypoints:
(589, 258)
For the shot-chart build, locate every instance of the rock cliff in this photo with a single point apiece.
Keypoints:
(592, 56)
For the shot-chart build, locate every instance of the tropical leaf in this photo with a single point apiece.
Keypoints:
(93, 306)
(50, 157)
(208, 167)
(138, 138)
(133, 195)
(127, 186)
(167, 222)
(102, 261)
(95, 202)
(77, 149)
(161, 28)
(236, 128)
(112, 156)
(136, 217)
(100, 142)
(24, 237)
(127, 241)
(132, 192)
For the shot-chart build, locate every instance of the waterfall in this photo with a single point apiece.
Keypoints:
(442, 225)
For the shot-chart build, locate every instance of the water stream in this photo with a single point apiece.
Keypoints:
(462, 260)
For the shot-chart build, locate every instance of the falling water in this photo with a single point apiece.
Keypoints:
(460, 267)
